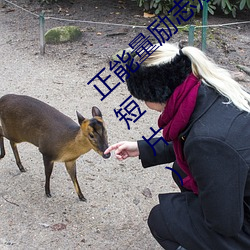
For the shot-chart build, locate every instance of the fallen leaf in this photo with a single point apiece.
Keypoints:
(148, 15)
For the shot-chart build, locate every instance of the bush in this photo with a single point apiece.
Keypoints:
(163, 6)
(231, 6)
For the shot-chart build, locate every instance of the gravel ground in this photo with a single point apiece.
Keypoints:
(119, 195)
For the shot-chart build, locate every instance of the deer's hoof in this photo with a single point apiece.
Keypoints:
(82, 198)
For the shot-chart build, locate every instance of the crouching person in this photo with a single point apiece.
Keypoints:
(205, 117)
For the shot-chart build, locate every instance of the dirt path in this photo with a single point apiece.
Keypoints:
(115, 215)
(118, 199)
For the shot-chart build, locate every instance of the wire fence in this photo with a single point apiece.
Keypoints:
(119, 24)
(42, 19)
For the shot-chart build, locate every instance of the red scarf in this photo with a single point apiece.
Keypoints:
(174, 119)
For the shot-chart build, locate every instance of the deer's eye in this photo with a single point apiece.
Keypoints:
(91, 136)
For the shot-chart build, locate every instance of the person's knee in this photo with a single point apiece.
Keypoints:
(159, 229)
(156, 223)
(153, 218)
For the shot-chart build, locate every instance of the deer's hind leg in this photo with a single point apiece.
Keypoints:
(71, 168)
(18, 161)
(1, 144)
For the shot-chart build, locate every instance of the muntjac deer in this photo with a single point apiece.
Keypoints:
(59, 139)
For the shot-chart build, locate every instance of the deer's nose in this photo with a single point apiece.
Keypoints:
(106, 156)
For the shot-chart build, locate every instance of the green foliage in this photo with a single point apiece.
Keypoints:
(226, 6)
(231, 6)
(163, 6)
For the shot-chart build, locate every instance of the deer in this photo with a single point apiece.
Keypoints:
(58, 137)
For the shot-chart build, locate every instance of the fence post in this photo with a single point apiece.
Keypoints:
(204, 23)
(191, 35)
(42, 31)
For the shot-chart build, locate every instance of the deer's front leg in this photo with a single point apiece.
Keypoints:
(71, 168)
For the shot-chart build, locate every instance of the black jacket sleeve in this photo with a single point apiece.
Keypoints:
(164, 153)
(220, 173)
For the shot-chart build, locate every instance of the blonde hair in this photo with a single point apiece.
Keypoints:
(205, 69)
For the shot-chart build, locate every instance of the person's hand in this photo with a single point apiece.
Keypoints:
(124, 150)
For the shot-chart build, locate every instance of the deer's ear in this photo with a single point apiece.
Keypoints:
(96, 112)
(80, 118)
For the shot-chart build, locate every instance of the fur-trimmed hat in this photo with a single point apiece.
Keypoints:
(155, 83)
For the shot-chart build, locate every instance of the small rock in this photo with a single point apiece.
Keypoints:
(239, 76)
(58, 227)
(9, 243)
(147, 193)
(44, 225)
(136, 201)
(121, 54)
(2, 3)
(244, 68)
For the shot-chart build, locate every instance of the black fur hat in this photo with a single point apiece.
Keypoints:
(156, 83)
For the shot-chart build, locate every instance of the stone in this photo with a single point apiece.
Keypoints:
(239, 76)
(2, 3)
(121, 53)
(147, 193)
(62, 34)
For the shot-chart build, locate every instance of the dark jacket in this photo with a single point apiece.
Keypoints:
(216, 145)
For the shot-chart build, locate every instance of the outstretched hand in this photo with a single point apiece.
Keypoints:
(124, 150)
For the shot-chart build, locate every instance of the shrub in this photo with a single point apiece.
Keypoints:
(163, 6)
(231, 6)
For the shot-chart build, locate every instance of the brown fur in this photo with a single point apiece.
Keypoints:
(59, 138)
